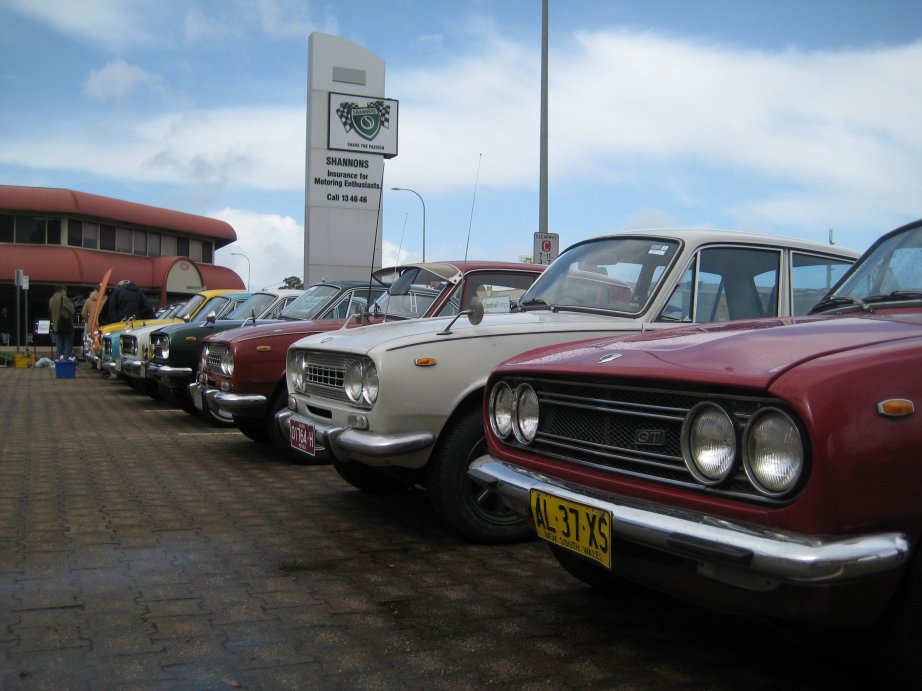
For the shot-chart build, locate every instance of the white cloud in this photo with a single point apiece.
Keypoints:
(828, 127)
(103, 23)
(117, 80)
(274, 245)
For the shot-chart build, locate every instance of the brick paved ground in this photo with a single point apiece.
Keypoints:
(141, 549)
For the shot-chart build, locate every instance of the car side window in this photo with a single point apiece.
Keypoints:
(811, 278)
(497, 292)
(724, 283)
(352, 303)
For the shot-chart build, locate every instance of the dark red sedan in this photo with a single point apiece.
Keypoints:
(770, 467)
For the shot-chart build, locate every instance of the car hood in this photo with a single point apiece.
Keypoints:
(749, 353)
(280, 328)
(416, 331)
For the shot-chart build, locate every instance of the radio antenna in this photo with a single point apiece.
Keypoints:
(474, 199)
(374, 247)
(400, 246)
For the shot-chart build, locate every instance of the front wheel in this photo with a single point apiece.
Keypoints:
(368, 479)
(254, 428)
(476, 512)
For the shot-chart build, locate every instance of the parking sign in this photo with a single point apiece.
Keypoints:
(547, 247)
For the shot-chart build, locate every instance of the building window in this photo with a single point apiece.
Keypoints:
(6, 229)
(74, 233)
(107, 238)
(140, 243)
(168, 246)
(90, 235)
(195, 250)
(30, 230)
(123, 240)
(207, 252)
(54, 231)
(153, 244)
(182, 247)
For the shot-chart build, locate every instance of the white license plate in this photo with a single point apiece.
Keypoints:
(302, 437)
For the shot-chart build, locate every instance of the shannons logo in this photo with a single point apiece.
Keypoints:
(367, 121)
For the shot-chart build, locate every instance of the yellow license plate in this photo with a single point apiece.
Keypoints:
(577, 527)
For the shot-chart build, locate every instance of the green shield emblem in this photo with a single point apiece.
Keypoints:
(366, 121)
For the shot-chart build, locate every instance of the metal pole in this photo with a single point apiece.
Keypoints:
(241, 254)
(405, 189)
(542, 202)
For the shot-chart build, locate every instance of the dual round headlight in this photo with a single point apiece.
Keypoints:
(227, 362)
(771, 449)
(361, 382)
(514, 412)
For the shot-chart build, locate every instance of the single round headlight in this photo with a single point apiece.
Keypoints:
(352, 381)
(297, 371)
(526, 414)
(774, 453)
(227, 362)
(370, 384)
(501, 410)
(709, 443)
(163, 344)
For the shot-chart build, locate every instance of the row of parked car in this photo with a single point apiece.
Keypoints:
(762, 458)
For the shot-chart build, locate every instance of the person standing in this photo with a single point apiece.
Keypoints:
(128, 302)
(62, 322)
(90, 304)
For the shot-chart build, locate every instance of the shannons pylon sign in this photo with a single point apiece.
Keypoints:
(363, 125)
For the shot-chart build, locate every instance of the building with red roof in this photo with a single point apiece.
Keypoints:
(58, 236)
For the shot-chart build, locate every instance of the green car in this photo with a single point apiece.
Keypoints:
(175, 349)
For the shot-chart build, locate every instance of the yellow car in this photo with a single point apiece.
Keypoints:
(93, 342)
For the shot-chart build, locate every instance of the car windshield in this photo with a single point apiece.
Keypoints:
(411, 295)
(255, 304)
(191, 306)
(890, 271)
(615, 274)
(311, 302)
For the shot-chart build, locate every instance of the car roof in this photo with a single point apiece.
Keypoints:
(705, 236)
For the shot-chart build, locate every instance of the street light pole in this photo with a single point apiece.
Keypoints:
(404, 189)
(241, 254)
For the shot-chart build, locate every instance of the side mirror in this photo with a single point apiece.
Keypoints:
(474, 315)
(475, 311)
(211, 318)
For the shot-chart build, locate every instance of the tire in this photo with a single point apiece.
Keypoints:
(593, 575)
(899, 635)
(477, 513)
(254, 428)
(166, 393)
(367, 479)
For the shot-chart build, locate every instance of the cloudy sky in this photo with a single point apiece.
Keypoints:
(788, 117)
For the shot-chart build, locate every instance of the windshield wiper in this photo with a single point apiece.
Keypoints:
(896, 295)
(534, 302)
(840, 301)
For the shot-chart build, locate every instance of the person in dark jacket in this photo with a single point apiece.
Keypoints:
(128, 302)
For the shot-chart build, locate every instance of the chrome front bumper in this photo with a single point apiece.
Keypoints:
(132, 367)
(782, 556)
(344, 443)
(240, 404)
(167, 372)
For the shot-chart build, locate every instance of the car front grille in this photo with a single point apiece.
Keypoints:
(630, 430)
(325, 373)
(129, 345)
(213, 359)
